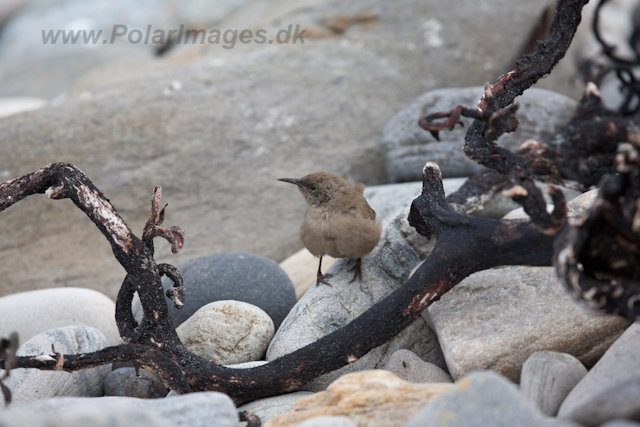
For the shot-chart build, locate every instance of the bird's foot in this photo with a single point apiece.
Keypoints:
(321, 279)
(358, 271)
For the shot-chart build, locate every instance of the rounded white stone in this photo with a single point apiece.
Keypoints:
(228, 332)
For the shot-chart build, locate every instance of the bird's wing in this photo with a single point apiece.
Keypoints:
(368, 212)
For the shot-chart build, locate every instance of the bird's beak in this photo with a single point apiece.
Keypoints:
(291, 181)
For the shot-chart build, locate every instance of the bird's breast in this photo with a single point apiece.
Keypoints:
(338, 234)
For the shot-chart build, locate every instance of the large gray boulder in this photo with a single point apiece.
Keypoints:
(497, 318)
(216, 143)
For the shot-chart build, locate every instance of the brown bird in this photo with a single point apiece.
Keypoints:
(339, 222)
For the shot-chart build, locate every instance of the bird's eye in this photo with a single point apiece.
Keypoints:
(313, 188)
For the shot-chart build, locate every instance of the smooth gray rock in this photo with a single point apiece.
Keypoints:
(244, 277)
(327, 421)
(82, 416)
(621, 401)
(189, 410)
(620, 364)
(408, 366)
(272, 406)
(227, 332)
(33, 312)
(497, 318)
(548, 377)
(480, 399)
(408, 147)
(125, 382)
(325, 309)
(29, 385)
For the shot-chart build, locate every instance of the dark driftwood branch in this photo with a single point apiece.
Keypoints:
(583, 151)
(586, 148)
(599, 258)
(170, 373)
(496, 116)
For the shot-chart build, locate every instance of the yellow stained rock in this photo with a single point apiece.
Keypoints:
(375, 398)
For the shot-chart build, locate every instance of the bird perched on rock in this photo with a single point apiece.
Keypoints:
(339, 222)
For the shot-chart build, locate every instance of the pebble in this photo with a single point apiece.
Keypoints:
(375, 398)
(408, 366)
(227, 332)
(618, 367)
(479, 400)
(29, 385)
(237, 276)
(189, 410)
(548, 377)
(407, 146)
(125, 382)
(57, 307)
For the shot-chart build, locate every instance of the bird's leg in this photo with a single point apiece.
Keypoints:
(358, 271)
(321, 278)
